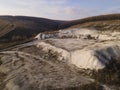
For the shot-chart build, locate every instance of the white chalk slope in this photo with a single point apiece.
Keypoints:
(92, 52)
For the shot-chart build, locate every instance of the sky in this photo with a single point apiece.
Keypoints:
(59, 9)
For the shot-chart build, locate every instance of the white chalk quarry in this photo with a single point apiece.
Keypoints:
(82, 33)
(87, 54)
(85, 48)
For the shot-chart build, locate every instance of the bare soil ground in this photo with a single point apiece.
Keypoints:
(26, 69)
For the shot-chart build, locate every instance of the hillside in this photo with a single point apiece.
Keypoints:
(44, 54)
(112, 25)
(110, 18)
(22, 27)
(19, 29)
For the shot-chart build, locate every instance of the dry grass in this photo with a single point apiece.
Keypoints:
(91, 19)
(109, 75)
(16, 28)
(92, 86)
(2, 83)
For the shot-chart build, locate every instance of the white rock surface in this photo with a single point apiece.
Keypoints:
(46, 46)
(82, 33)
(87, 54)
(85, 48)
(78, 32)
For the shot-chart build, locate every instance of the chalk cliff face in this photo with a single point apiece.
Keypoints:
(87, 54)
(82, 33)
(74, 44)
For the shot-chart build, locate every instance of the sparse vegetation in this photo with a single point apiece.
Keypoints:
(51, 55)
(113, 25)
(92, 86)
(22, 28)
(91, 19)
(109, 75)
(2, 83)
(0, 62)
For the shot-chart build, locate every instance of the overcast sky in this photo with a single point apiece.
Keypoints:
(59, 9)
